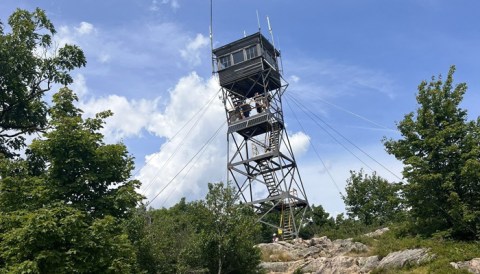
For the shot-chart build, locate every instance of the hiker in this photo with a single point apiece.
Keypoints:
(275, 238)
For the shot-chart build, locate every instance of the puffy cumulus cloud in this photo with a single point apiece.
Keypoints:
(192, 52)
(300, 143)
(72, 35)
(196, 155)
(192, 121)
(84, 28)
(129, 118)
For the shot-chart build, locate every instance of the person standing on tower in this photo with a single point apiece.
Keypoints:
(246, 109)
(258, 102)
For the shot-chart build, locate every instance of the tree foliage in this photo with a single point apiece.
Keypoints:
(317, 221)
(216, 235)
(61, 207)
(372, 199)
(230, 239)
(167, 240)
(29, 65)
(441, 153)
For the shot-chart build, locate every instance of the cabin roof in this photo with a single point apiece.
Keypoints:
(244, 42)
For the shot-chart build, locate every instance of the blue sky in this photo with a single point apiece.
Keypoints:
(353, 64)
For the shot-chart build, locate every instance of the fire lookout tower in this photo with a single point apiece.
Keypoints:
(260, 158)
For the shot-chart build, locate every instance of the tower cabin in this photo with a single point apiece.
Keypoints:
(249, 73)
(248, 65)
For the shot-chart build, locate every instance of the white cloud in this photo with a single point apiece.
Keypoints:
(83, 36)
(173, 3)
(192, 52)
(84, 28)
(194, 112)
(190, 95)
(294, 79)
(155, 5)
(79, 85)
(64, 36)
(129, 118)
(300, 143)
(67, 36)
(142, 55)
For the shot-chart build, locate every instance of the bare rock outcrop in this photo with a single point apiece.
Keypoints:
(322, 255)
(341, 264)
(377, 232)
(403, 258)
(473, 266)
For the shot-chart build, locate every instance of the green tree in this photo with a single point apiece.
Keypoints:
(61, 208)
(441, 153)
(83, 171)
(168, 240)
(229, 243)
(216, 235)
(317, 221)
(29, 66)
(372, 199)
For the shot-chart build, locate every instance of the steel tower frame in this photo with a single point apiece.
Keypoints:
(260, 160)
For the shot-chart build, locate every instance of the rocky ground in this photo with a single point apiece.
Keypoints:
(322, 255)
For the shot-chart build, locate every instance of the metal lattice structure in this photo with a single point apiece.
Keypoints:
(260, 159)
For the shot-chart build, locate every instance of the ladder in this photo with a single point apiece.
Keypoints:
(287, 223)
(274, 140)
(268, 177)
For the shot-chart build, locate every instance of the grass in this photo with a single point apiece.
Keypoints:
(445, 251)
(275, 256)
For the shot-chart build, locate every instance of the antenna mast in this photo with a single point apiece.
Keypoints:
(271, 32)
(211, 36)
(258, 22)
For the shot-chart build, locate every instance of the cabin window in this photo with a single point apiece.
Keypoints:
(238, 57)
(251, 52)
(270, 59)
(225, 62)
